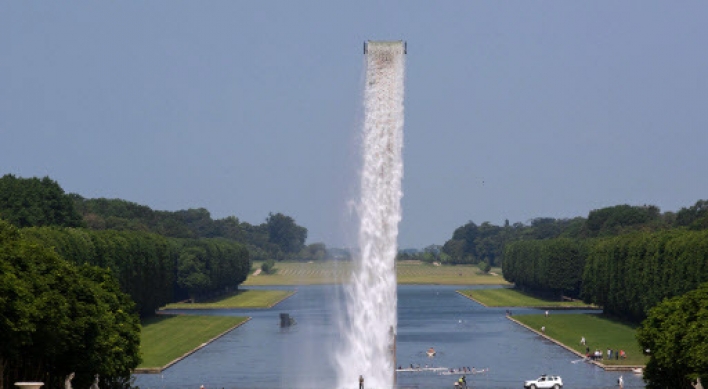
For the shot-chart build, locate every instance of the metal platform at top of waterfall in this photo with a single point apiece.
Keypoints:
(385, 44)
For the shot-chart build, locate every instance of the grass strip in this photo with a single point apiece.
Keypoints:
(600, 333)
(408, 272)
(165, 338)
(241, 299)
(507, 297)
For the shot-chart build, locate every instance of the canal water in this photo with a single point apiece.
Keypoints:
(261, 355)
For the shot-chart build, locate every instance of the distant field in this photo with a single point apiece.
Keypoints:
(408, 272)
(242, 299)
(165, 338)
(514, 298)
(600, 333)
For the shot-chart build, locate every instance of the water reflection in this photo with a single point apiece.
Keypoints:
(261, 355)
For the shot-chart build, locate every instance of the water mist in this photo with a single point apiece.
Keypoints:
(368, 345)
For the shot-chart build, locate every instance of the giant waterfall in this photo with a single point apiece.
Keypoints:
(368, 333)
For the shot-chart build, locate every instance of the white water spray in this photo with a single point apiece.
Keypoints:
(368, 346)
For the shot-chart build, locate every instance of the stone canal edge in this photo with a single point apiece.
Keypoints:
(158, 370)
(596, 363)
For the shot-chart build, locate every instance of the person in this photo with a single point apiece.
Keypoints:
(543, 329)
(620, 382)
(361, 382)
(582, 341)
(622, 354)
(609, 353)
(201, 387)
(94, 385)
(67, 382)
(546, 313)
(463, 382)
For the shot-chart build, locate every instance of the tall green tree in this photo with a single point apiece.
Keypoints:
(56, 317)
(285, 233)
(27, 202)
(676, 335)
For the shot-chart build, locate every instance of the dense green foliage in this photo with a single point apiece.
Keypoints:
(676, 335)
(28, 202)
(143, 263)
(630, 274)
(57, 317)
(553, 266)
(268, 266)
(152, 269)
(694, 217)
(485, 243)
(611, 221)
(211, 266)
(471, 243)
(279, 238)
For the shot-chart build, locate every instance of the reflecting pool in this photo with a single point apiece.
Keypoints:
(261, 355)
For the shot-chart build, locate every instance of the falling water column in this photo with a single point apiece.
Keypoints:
(369, 333)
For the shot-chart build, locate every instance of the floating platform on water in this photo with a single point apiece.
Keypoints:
(413, 370)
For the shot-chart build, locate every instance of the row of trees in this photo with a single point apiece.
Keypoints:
(553, 267)
(627, 275)
(26, 202)
(57, 317)
(70, 295)
(472, 243)
(279, 238)
(640, 265)
(152, 269)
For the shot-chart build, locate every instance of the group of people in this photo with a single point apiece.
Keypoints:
(597, 355)
(611, 354)
(462, 369)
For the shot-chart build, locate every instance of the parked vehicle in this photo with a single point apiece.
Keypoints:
(544, 382)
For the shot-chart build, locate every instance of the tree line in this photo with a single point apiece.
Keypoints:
(278, 238)
(472, 243)
(627, 274)
(152, 269)
(57, 317)
(71, 296)
(641, 266)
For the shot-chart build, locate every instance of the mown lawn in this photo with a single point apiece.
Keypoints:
(599, 331)
(165, 338)
(408, 272)
(242, 299)
(514, 298)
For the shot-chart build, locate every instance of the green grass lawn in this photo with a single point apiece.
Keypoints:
(241, 299)
(165, 338)
(599, 331)
(408, 272)
(506, 297)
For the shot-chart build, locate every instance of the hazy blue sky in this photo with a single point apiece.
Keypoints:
(514, 110)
